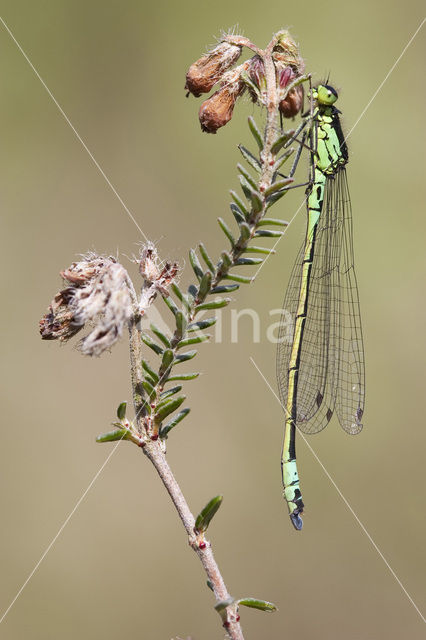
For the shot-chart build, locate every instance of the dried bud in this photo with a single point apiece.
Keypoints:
(217, 110)
(157, 277)
(256, 73)
(97, 292)
(292, 103)
(208, 70)
(287, 53)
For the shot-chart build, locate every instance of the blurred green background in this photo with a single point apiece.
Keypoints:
(122, 566)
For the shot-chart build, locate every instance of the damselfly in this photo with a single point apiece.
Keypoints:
(320, 365)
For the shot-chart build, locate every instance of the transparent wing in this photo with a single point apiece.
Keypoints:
(331, 370)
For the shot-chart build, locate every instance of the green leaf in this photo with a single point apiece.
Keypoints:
(173, 422)
(237, 213)
(223, 604)
(166, 362)
(268, 233)
(201, 324)
(248, 261)
(210, 585)
(245, 231)
(274, 197)
(215, 304)
(192, 292)
(182, 297)
(121, 410)
(183, 376)
(181, 324)
(280, 161)
(256, 133)
(250, 158)
(171, 304)
(256, 201)
(206, 257)
(195, 263)
(205, 516)
(253, 249)
(272, 221)
(170, 392)
(251, 181)
(281, 141)
(146, 339)
(160, 335)
(111, 436)
(150, 371)
(227, 231)
(245, 186)
(194, 340)
(277, 186)
(237, 278)
(205, 285)
(167, 408)
(184, 357)
(240, 204)
(224, 288)
(254, 603)
(226, 259)
(149, 389)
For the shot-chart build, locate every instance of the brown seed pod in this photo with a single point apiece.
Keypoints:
(292, 103)
(217, 110)
(208, 70)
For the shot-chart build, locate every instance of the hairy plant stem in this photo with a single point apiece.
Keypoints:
(153, 448)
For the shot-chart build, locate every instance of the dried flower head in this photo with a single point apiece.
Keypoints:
(286, 53)
(157, 277)
(97, 292)
(291, 102)
(217, 110)
(209, 69)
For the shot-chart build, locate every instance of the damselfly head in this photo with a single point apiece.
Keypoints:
(326, 95)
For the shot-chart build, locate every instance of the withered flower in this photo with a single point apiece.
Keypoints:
(157, 277)
(292, 102)
(208, 70)
(217, 110)
(96, 291)
(286, 53)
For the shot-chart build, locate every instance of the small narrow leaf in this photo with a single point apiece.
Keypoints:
(121, 410)
(182, 297)
(206, 257)
(205, 284)
(277, 186)
(248, 261)
(166, 362)
(168, 408)
(192, 292)
(195, 263)
(237, 278)
(245, 231)
(149, 389)
(181, 323)
(281, 141)
(224, 288)
(277, 195)
(272, 221)
(250, 158)
(240, 204)
(253, 249)
(111, 436)
(254, 603)
(173, 422)
(256, 133)
(150, 371)
(151, 344)
(184, 376)
(237, 213)
(170, 392)
(171, 304)
(215, 304)
(252, 182)
(245, 186)
(210, 585)
(226, 259)
(184, 357)
(201, 324)
(280, 161)
(160, 335)
(206, 515)
(268, 233)
(227, 231)
(194, 340)
(256, 201)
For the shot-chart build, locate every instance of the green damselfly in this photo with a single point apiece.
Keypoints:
(320, 358)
